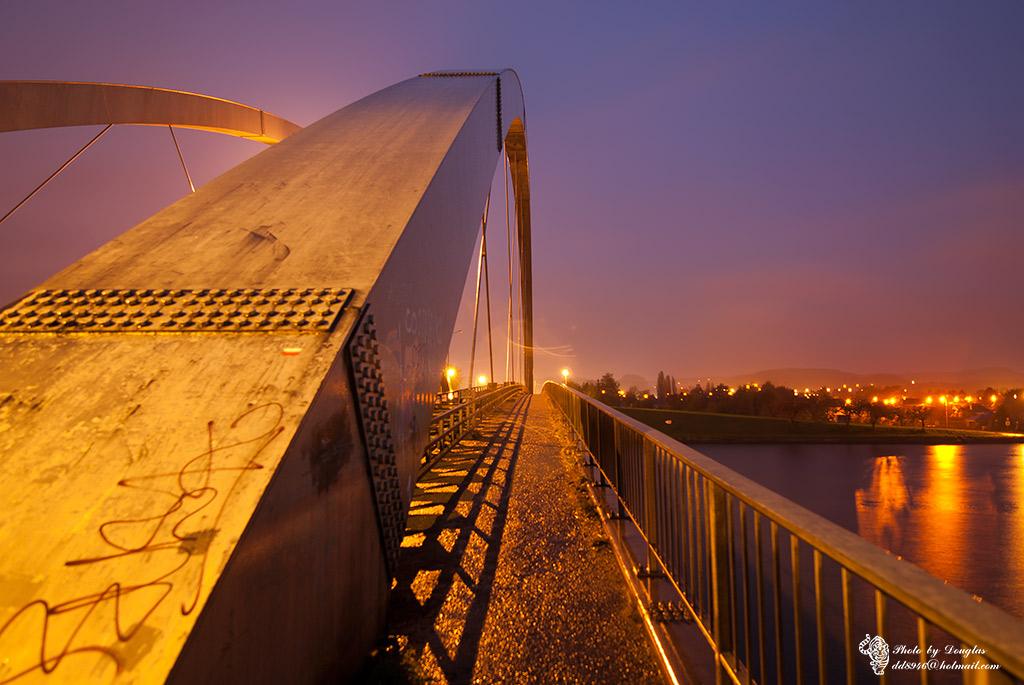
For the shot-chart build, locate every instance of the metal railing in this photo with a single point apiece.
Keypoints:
(772, 614)
(456, 413)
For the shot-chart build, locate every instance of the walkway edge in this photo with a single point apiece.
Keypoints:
(676, 669)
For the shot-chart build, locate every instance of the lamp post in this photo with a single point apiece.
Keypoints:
(565, 377)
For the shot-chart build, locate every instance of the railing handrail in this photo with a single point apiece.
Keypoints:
(1000, 634)
(456, 420)
(482, 391)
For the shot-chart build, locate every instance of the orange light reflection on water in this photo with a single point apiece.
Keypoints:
(883, 507)
(1015, 555)
(941, 519)
(921, 519)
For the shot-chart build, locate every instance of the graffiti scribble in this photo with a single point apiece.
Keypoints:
(194, 499)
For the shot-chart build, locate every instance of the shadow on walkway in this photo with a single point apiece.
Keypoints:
(506, 574)
(450, 552)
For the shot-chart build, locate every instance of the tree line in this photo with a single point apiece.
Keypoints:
(779, 401)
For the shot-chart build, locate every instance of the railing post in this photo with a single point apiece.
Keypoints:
(721, 601)
(594, 443)
(650, 504)
(611, 442)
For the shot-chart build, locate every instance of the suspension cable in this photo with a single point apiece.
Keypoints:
(487, 296)
(508, 233)
(514, 242)
(476, 304)
(54, 174)
(187, 177)
(519, 249)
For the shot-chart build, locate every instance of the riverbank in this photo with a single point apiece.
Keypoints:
(702, 427)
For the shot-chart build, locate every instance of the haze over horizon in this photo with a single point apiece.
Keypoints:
(713, 188)
(967, 379)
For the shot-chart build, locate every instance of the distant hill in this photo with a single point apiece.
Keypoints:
(969, 380)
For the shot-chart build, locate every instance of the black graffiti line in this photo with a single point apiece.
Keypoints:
(115, 591)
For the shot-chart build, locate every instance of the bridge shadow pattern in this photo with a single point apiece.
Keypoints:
(450, 552)
(512, 583)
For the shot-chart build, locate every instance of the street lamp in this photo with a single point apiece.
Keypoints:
(565, 376)
(450, 374)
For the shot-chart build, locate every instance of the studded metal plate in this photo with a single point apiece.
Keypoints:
(457, 74)
(380, 448)
(309, 310)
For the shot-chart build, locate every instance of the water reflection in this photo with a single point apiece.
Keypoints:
(955, 511)
(927, 521)
(884, 506)
(1014, 512)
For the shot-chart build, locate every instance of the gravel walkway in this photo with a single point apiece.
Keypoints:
(506, 575)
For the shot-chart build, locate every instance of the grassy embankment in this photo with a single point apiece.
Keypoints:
(695, 427)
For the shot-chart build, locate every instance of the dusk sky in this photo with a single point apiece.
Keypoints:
(715, 191)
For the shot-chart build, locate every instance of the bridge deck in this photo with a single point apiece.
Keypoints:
(506, 574)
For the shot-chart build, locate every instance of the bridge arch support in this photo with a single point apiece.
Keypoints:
(216, 368)
(53, 104)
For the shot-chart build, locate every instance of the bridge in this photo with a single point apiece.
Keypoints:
(221, 433)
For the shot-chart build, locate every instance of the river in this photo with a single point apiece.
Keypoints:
(956, 511)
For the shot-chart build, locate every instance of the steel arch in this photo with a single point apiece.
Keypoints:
(51, 104)
(216, 369)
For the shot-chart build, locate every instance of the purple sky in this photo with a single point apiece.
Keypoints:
(715, 191)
